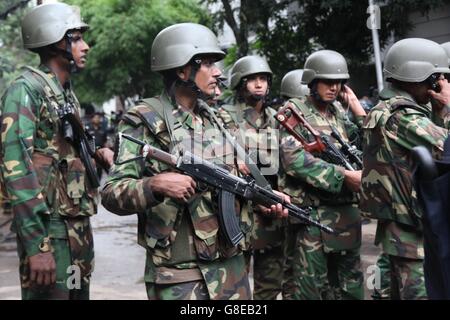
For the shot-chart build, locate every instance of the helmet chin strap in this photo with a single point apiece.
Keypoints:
(255, 98)
(67, 53)
(190, 83)
(315, 94)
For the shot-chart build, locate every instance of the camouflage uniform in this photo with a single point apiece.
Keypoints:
(330, 265)
(5, 214)
(384, 290)
(46, 181)
(391, 130)
(260, 133)
(186, 255)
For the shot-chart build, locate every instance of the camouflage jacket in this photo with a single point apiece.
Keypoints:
(311, 181)
(260, 133)
(177, 236)
(391, 130)
(442, 120)
(43, 174)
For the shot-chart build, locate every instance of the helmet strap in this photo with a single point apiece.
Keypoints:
(315, 94)
(190, 83)
(68, 53)
(254, 98)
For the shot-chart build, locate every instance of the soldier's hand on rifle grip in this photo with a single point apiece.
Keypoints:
(278, 209)
(177, 186)
(441, 98)
(353, 180)
(244, 169)
(106, 157)
(42, 269)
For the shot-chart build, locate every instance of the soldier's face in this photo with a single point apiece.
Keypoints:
(328, 90)
(257, 84)
(206, 76)
(79, 49)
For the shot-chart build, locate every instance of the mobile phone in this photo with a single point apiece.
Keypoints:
(433, 81)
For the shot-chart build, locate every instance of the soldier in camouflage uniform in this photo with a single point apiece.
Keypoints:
(399, 122)
(50, 195)
(258, 131)
(7, 238)
(330, 265)
(440, 103)
(292, 87)
(178, 225)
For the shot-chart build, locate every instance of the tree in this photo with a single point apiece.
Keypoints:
(9, 6)
(12, 54)
(287, 31)
(121, 35)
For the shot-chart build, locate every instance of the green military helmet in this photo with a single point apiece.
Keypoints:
(414, 60)
(446, 47)
(246, 66)
(325, 64)
(176, 45)
(291, 85)
(48, 23)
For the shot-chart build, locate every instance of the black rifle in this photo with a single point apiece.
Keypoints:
(351, 152)
(75, 134)
(229, 184)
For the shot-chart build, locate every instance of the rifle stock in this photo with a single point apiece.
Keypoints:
(290, 118)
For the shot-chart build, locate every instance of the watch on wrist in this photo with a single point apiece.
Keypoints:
(45, 245)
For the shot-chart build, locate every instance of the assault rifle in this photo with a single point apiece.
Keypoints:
(229, 185)
(290, 118)
(75, 134)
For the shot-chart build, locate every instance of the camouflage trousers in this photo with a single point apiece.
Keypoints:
(222, 279)
(193, 290)
(407, 279)
(5, 221)
(328, 275)
(292, 266)
(72, 272)
(383, 292)
(268, 267)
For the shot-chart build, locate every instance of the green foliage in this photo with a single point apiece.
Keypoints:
(12, 54)
(121, 35)
(286, 35)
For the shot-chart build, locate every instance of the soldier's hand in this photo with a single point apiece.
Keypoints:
(353, 180)
(277, 210)
(442, 98)
(244, 169)
(42, 269)
(106, 156)
(177, 186)
(349, 97)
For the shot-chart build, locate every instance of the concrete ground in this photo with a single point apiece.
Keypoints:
(119, 263)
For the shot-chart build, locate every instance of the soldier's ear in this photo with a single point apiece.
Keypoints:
(184, 72)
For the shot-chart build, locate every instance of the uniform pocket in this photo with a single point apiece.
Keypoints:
(75, 197)
(45, 167)
(205, 237)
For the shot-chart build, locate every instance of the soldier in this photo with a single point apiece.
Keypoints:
(178, 225)
(51, 197)
(441, 107)
(7, 238)
(399, 122)
(292, 87)
(250, 79)
(330, 264)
